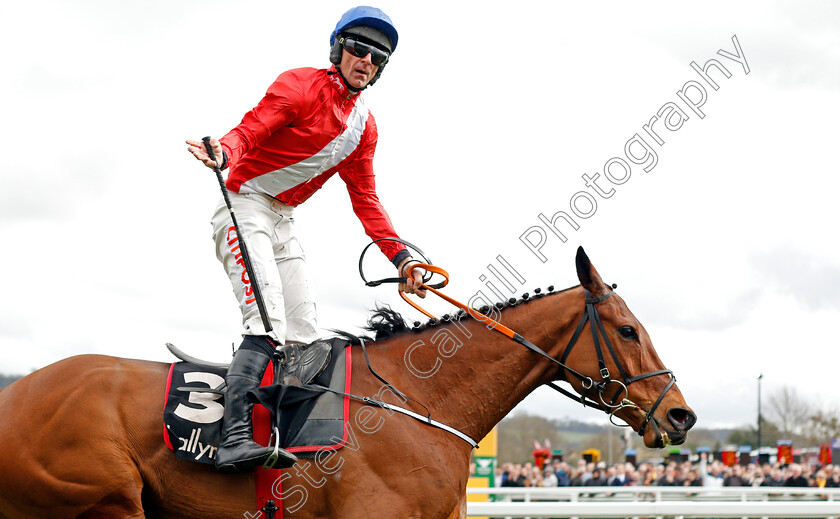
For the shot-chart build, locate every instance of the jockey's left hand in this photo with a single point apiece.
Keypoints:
(413, 284)
(196, 147)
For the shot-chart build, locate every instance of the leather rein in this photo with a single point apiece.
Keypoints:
(611, 405)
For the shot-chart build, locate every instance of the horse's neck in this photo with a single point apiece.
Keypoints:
(471, 377)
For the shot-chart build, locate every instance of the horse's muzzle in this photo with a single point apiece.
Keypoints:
(681, 420)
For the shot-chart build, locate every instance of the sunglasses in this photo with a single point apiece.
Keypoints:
(360, 50)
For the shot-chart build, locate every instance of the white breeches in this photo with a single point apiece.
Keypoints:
(267, 226)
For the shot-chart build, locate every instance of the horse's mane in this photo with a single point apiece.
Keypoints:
(385, 322)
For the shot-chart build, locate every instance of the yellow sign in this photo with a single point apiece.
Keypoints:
(592, 455)
(484, 456)
(476, 482)
(488, 446)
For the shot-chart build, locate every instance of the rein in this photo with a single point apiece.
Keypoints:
(590, 314)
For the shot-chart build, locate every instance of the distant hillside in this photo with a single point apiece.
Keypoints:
(517, 434)
(569, 425)
(697, 437)
(5, 380)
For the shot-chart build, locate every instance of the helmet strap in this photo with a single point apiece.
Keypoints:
(376, 76)
(352, 89)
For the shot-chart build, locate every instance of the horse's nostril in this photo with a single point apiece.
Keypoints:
(682, 419)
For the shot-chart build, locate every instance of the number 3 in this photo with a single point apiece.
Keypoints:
(210, 410)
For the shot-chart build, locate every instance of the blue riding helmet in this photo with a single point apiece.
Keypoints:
(369, 23)
(367, 17)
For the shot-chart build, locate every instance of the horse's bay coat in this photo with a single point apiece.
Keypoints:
(83, 437)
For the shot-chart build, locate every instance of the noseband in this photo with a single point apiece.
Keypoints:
(610, 406)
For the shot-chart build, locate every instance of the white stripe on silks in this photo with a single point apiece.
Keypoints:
(283, 179)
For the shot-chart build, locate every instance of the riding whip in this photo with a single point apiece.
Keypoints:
(255, 282)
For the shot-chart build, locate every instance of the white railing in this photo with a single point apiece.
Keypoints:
(584, 502)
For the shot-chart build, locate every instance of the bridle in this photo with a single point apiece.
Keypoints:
(590, 314)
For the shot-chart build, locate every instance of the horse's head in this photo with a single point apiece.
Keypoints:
(624, 374)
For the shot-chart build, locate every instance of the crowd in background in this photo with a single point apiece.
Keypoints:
(699, 473)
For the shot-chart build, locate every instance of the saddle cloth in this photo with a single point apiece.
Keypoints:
(309, 420)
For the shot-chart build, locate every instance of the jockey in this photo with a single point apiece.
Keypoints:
(311, 124)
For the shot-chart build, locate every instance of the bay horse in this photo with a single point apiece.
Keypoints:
(83, 437)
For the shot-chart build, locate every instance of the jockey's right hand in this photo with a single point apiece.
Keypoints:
(414, 283)
(196, 147)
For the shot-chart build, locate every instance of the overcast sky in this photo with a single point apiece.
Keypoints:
(489, 115)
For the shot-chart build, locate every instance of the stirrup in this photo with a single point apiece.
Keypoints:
(272, 459)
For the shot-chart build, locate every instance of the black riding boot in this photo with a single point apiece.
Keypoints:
(238, 451)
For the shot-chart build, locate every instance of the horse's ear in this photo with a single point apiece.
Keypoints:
(588, 276)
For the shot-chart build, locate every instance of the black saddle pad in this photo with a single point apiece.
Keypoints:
(309, 420)
(193, 421)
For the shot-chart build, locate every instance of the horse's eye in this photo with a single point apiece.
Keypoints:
(628, 332)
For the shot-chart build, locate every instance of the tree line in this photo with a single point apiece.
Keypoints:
(790, 416)
(5, 380)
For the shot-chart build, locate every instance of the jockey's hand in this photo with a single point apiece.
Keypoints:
(413, 283)
(200, 152)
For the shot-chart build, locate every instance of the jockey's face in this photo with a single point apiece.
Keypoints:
(357, 71)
